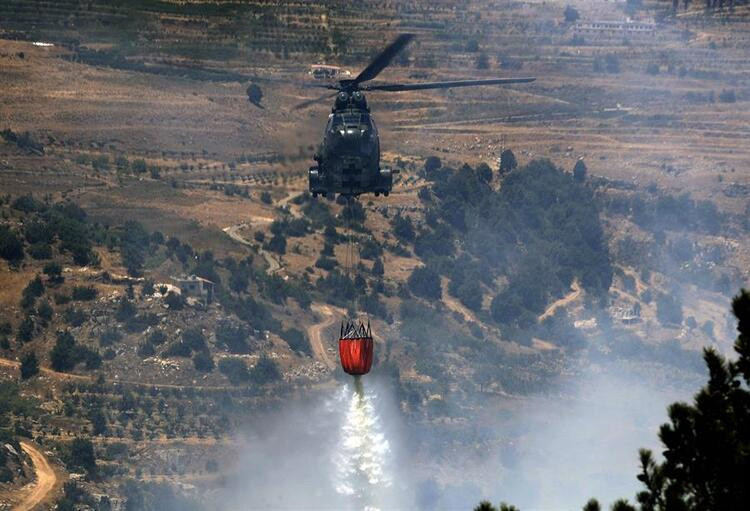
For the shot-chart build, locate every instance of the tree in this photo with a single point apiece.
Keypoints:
(98, 422)
(571, 14)
(265, 371)
(483, 61)
(81, 455)
(403, 228)
(234, 369)
(425, 282)
(203, 362)
(507, 161)
(592, 505)
(431, 165)
(29, 365)
(579, 171)
(277, 244)
(254, 94)
(706, 453)
(63, 354)
(484, 172)
(53, 270)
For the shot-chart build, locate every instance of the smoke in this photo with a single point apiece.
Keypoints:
(556, 453)
(335, 451)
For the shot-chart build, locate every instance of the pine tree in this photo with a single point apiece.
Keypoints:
(29, 365)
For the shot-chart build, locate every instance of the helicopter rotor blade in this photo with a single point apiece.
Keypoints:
(398, 87)
(313, 101)
(384, 58)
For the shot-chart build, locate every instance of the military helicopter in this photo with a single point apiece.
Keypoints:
(348, 162)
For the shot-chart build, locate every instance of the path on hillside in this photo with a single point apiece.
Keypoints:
(233, 231)
(45, 478)
(15, 364)
(315, 332)
(562, 302)
(454, 304)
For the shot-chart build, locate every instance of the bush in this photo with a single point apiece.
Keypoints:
(177, 349)
(265, 371)
(425, 282)
(571, 14)
(29, 365)
(277, 244)
(53, 270)
(80, 455)
(297, 340)
(75, 317)
(84, 293)
(203, 362)
(109, 336)
(174, 301)
(233, 337)
(325, 263)
(234, 369)
(63, 356)
(194, 339)
(157, 337)
(265, 197)
(40, 251)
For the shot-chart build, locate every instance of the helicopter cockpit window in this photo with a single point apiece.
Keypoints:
(350, 120)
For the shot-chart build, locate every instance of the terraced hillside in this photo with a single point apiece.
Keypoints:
(128, 126)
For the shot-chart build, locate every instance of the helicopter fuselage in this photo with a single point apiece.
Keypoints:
(348, 161)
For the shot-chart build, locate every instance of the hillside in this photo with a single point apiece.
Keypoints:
(611, 233)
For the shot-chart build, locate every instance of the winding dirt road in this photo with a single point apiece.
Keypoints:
(45, 479)
(315, 332)
(233, 231)
(575, 292)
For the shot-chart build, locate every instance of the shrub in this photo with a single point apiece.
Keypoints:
(29, 365)
(234, 369)
(74, 317)
(109, 336)
(425, 282)
(233, 337)
(265, 371)
(40, 251)
(297, 340)
(203, 362)
(84, 293)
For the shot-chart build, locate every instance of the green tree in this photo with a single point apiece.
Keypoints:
(63, 354)
(508, 161)
(425, 282)
(579, 171)
(29, 365)
(11, 247)
(98, 422)
(203, 362)
(81, 455)
(254, 94)
(706, 454)
(265, 371)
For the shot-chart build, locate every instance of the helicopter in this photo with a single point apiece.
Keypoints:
(348, 161)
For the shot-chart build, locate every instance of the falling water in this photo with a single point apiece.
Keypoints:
(363, 452)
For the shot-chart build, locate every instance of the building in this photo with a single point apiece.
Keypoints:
(195, 286)
(613, 29)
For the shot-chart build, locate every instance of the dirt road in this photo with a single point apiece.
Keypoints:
(14, 364)
(315, 332)
(575, 292)
(454, 304)
(233, 231)
(45, 478)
